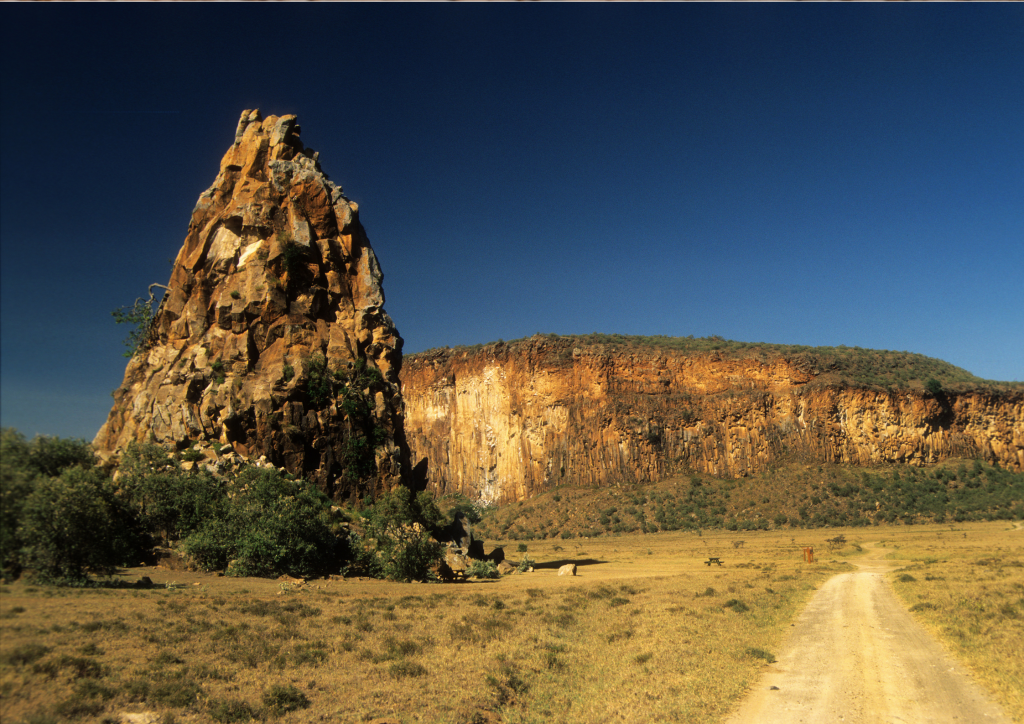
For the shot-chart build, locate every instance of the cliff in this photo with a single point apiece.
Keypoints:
(506, 421)
(272, 338)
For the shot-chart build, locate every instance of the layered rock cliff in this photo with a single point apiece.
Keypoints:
(505, 422)
(272, 337)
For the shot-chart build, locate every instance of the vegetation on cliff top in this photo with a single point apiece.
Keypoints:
(850, 366)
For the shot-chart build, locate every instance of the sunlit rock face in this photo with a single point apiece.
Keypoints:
(506, 421)
(272, 336)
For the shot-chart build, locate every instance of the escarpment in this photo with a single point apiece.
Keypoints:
(507, 421)
(272, 338)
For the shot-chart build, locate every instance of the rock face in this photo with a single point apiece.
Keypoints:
(272, 336)
(508, 421)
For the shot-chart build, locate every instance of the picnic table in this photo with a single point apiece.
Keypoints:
(709, 561)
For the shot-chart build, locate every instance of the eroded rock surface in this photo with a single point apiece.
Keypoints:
(507, 421)
(273, 336)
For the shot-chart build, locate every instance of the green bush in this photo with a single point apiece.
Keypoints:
(482, 569)
(227, 711)
(140, 317)
(267, 525)
(16, 483)
(54, 455)
(167, 498)
(74, 524)
(320, 385)
(396, 542)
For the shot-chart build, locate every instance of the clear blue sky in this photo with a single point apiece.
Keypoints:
(817, 174)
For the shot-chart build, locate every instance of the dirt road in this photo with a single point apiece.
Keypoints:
(855, 655)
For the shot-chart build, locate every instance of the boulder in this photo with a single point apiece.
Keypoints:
(505, 568)
(456, 561)
(569, 569)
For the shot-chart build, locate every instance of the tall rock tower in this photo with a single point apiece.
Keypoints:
(272, 336)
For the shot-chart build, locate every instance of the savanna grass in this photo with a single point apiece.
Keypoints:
(645, 628)
(966, 585)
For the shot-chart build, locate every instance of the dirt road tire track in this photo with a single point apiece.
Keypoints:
(855, 655)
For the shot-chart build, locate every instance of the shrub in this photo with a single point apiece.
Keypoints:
(280, 699)
(53, 455)
(268, 525)
(140, 317)
(395, 542)
(292, 255)
(508, 685)
(16, 483)
(25, 654)
(228, 711)
(73, 524)
(482, 569)
(320, 385)
(761, 654)
(192, 455)
(21, 464)
(164, 496)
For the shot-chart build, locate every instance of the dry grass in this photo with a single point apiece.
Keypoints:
(966, 585)
(645, 632)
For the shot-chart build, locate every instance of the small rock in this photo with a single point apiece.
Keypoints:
(569, 569)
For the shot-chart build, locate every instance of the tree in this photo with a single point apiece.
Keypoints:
(73, 524)
(17, 480)
(268, 525)
(396, 542)
(140, 317)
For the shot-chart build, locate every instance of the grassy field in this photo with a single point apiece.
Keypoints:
(966, 585)
(645, 632)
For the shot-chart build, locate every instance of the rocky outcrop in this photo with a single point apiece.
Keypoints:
(272, 336)
(505, 422)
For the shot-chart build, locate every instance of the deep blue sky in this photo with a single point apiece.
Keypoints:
(804, 174)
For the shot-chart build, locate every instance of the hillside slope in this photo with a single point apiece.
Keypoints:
(503, 422)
